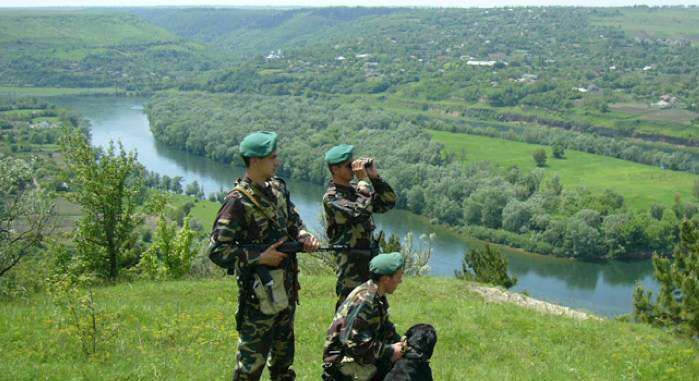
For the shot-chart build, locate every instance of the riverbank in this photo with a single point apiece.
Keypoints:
(26, 91)
(185, 330)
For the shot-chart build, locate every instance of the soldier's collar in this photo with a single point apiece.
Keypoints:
(248, 183)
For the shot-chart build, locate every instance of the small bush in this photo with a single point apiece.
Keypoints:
(539, 157)
(486, 265)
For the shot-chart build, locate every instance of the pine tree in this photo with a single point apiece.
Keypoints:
(677, 304)
(486, 265)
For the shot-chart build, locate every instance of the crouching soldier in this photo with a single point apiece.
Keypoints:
(348, 208)
(362, 343)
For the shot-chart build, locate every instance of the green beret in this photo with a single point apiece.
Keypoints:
(386, 263)
(258, 144)
(339, 154)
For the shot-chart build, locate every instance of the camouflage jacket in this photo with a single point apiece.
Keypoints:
(361, 331)
(348, 218)
(240, 221)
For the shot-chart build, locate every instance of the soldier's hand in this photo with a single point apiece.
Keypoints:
(272, 257)
(372, 171)
(310, 243)
(397, 351)
(358, 169)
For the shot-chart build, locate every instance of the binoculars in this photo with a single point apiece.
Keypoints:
(368, 162)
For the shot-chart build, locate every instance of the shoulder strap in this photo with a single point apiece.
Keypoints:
(257, 204)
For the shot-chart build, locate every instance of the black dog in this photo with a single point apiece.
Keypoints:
(415, 363)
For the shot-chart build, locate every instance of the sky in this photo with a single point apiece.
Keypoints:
(308, 3)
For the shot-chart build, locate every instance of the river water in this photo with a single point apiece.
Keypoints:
(602, 288)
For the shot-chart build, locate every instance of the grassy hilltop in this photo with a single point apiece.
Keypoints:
(185, 330)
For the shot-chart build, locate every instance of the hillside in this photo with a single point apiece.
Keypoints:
(185, 330)
(90, 48)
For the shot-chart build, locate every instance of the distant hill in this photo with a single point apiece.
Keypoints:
(246, 32)
(90, 48)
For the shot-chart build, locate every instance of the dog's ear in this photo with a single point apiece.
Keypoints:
(430, 340)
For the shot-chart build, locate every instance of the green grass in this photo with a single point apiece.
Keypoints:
(185, 330)
(641, 185)
(203, 211)
(653, 22)
(53, 91)
(77, 28)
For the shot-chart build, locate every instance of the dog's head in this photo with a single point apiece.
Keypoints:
(421, 339)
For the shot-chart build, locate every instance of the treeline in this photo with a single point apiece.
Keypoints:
(512, 207)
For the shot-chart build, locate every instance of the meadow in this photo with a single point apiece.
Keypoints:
(641, 185)
(22, 91)
(185, 330)
(652, 22)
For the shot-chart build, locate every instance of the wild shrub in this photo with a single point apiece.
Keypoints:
(486, 265)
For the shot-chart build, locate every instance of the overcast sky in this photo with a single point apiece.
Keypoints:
(435, 3)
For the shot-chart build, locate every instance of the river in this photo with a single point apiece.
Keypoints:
(602, 288)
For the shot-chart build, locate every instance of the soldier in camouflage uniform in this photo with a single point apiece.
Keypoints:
(362, 343)
(348, 210)
(258, 211)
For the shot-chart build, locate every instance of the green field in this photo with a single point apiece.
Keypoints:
(185, 330)
(641, 185)
(203, 211)
(52, 91)
(77, 28)
(653, 22)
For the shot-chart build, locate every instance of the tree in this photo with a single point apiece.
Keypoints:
(677, 304)
(176, 184)
(390, 245)
(554, 185)
(516, 216)
(559, 151)
(486, 265)
(171, 253)
(25, 212)
(107, 188)
(539, 157)
(193, 189)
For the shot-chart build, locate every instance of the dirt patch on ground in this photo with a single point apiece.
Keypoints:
(498, 295)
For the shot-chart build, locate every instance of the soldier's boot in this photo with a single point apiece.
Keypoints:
(286, 375)
(239, 375)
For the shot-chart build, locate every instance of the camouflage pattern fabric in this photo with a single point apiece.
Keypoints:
(359, 339)
(260, 334)
(240, 221)
(348, 218)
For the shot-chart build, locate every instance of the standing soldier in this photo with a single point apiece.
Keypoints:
(362, 343)
(348, 210)
(258, 211)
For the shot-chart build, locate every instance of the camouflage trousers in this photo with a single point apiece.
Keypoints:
(265, 339)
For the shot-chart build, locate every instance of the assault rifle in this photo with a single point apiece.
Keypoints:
(290, 247)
